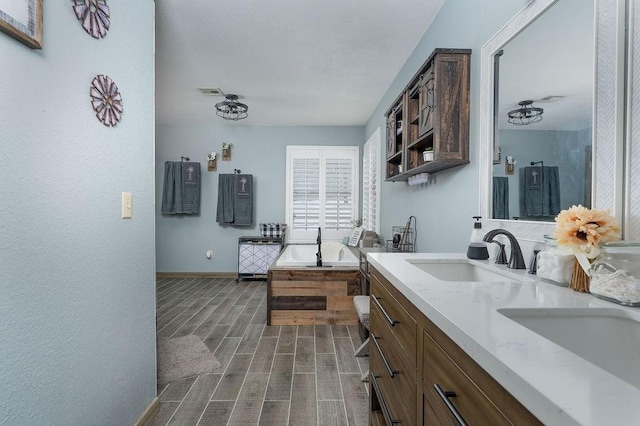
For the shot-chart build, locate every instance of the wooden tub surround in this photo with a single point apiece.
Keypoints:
(312, 295)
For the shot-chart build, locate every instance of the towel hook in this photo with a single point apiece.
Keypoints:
(237, 171)
(184, 158)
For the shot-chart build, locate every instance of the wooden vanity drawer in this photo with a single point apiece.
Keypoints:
(377, 418)
(397, 391)
(395, 317)
(478, 399)
(385, 349)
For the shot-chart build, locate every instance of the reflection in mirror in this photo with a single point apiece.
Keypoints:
(545, 165)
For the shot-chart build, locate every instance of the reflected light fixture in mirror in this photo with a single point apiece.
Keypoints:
(526, 114)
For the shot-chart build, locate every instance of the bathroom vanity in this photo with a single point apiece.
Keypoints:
(459, 340)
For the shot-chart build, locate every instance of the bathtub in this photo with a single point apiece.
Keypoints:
(333, 254)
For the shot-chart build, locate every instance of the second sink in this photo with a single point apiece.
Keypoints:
(606, 337)
(463, 271)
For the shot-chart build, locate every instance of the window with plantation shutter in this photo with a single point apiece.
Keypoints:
(322, 191)
(371, 183)
(306, 194)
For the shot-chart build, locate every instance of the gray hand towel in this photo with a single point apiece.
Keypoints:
(190, 188)
(500, 197)
(539, 191)
(243, 200)
(172, 188)
(226, 191)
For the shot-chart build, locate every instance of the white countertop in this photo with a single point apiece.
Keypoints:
(557, 386)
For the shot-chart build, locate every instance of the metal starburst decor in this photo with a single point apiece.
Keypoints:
(106, 100)
(94, 15)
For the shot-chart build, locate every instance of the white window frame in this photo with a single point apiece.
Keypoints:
(321, 152)
(371, 181)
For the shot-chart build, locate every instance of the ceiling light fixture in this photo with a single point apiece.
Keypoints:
(526, 114)
(231, 109)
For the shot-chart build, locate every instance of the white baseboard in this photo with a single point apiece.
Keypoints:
(147, 416)
(196, 275)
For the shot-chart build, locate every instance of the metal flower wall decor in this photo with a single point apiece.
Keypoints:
(106, 100)
(94, 15)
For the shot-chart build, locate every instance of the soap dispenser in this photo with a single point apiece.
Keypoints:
(477, 247)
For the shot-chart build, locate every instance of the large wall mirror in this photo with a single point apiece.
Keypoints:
(551, 107)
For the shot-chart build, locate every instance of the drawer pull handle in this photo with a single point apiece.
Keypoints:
(445, 395)
(383, 405)
(391, 372)
(391, 322)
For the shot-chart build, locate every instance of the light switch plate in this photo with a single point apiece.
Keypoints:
(126, 205)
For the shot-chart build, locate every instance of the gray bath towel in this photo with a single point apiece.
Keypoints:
(235, 199)
(181, 188)
(539, 192)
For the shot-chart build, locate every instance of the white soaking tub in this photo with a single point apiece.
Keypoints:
(303, 255)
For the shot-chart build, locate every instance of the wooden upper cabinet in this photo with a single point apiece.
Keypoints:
(431, 113)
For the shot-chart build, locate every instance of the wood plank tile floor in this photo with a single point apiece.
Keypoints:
(270, 375)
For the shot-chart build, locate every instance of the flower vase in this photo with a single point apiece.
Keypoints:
(212, 165)
(579, 279)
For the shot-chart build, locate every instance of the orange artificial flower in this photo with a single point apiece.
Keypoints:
(580, 229)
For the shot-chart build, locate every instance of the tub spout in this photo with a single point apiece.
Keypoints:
(319, 253)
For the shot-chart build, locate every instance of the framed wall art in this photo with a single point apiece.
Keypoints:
(22, 20)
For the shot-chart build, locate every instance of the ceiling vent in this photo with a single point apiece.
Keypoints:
(211, 91)
(551, 98)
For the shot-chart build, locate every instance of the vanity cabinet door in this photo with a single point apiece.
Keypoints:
(450, 395)
(455, 387)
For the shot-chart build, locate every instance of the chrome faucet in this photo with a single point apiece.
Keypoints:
(319, 253)
(516, 261)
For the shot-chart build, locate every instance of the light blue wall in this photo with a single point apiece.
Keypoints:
(182, 241)
(562, 148)
(443, 207)
(77, 311)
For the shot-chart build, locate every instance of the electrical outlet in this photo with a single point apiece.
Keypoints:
(209, 254)
(126, 205)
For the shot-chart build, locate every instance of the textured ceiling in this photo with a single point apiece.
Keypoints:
(294, 62)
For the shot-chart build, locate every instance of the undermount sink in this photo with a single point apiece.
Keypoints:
(606, 337)
(463, 271)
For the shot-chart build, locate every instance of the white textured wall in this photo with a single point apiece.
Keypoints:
(77, 310)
